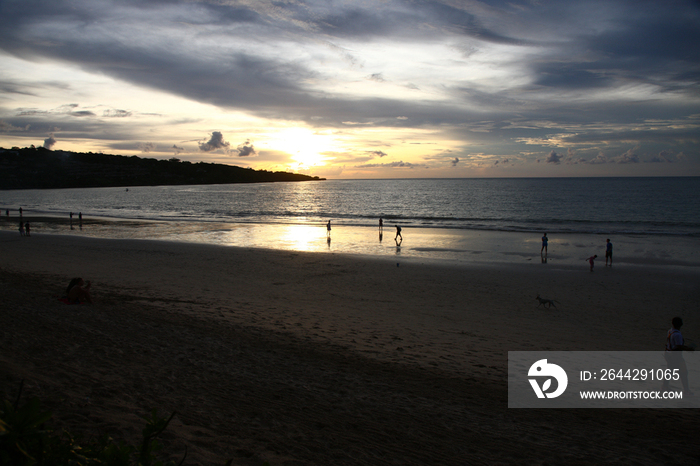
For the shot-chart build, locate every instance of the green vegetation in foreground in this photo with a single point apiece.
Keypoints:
(39, 168)
(25, 440)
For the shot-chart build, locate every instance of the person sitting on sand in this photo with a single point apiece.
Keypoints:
(78, 293)
(591, 259)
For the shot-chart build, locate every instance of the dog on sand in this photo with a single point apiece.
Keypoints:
(548, 303)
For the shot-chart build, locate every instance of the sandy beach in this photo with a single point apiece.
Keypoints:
(320, 358)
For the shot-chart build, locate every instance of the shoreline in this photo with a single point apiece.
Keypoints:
(314, 358)
(437, 244)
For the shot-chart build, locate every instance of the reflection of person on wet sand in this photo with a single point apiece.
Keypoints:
(675, 345)
(398, 233)
(78, 293)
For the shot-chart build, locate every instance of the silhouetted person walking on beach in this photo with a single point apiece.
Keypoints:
(328, 229)
(26, 229)
(20, 212)
(608, 252)
(544, 243)
(398, 233)
(675, 345)
(381, 225)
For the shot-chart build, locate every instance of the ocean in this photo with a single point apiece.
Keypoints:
(445, 218)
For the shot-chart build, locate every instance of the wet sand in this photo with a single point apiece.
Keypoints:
(315, 358)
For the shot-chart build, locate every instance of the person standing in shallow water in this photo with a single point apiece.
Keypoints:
(544, 243)
(328, 229)
(608, 252)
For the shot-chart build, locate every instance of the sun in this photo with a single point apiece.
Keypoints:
(305, 146)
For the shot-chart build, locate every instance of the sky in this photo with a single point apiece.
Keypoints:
(361, 89)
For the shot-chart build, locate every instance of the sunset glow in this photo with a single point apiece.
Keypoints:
(373, 90)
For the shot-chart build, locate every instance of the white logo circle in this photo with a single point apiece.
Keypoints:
(542, 369)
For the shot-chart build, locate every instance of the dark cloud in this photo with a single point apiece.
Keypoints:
(68, 109)
(49, 142)
(147, 146)
(6, 127)
(571, 76)
(554, 158)
(246, 150)
(400, 164)
(599, 159)
(454, 161)
(215, 142)
(628, 157)
(662, 157)
(377, 153)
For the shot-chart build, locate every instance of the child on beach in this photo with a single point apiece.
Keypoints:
(675, 345)
(591, 259)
